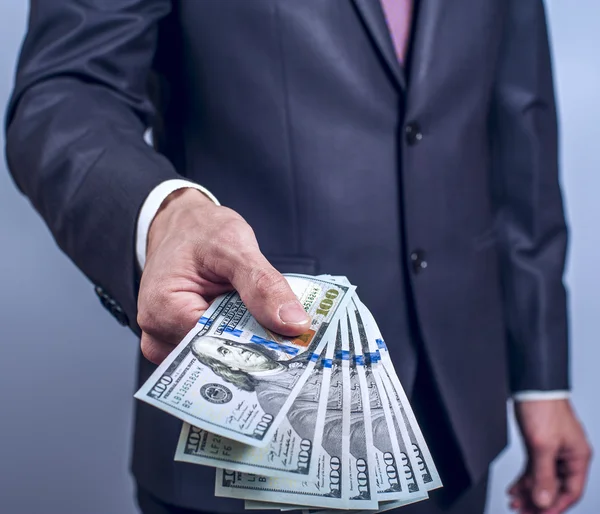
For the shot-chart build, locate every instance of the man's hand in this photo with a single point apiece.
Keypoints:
(197, 251)
(558, 458)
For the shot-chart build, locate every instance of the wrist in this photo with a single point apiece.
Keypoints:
(535, 411)
(181, 205)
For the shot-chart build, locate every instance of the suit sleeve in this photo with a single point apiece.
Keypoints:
(530, 215)
(75, 132)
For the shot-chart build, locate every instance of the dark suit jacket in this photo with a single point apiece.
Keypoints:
(433, 188)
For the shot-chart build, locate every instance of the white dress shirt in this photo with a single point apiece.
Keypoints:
(158, 195)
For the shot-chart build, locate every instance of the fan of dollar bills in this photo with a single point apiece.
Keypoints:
(317, 422)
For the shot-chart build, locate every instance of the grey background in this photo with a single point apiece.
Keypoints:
(67, 369)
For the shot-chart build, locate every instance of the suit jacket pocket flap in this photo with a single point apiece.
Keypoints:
(294, 264)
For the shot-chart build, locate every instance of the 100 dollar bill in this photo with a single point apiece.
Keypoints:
(232, 377)
(290, 454)
(421, 456)
(395, 478)
(323, 491)
(359, 480)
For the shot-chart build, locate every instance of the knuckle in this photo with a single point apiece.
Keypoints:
(227, 213)
(148, 349)
(227, 235)
(153, 301)
(574, 493)
(232, 231)
(145, 321)
(233, 244)
(227, 244)
(541, 444)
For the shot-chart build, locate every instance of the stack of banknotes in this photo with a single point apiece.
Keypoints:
(318, 422)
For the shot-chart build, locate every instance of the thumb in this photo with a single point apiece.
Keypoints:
(269, 297)
(544, 481)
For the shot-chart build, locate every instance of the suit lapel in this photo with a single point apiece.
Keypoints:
(373, 17)
(427, 29)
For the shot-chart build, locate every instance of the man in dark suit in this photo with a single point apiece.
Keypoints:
(410, 145)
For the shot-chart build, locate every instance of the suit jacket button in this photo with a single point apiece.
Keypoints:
(112, 306)
(413, 133)
(417, 261)
(120, 315)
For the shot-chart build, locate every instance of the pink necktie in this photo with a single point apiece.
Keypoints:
(398, 14)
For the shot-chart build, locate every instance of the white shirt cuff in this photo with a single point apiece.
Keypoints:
(525, 396)
(151, 206)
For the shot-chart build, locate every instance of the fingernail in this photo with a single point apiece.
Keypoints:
(293, 313)
(543, 498)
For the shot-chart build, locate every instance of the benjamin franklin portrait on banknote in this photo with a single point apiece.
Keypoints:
(249, 366)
